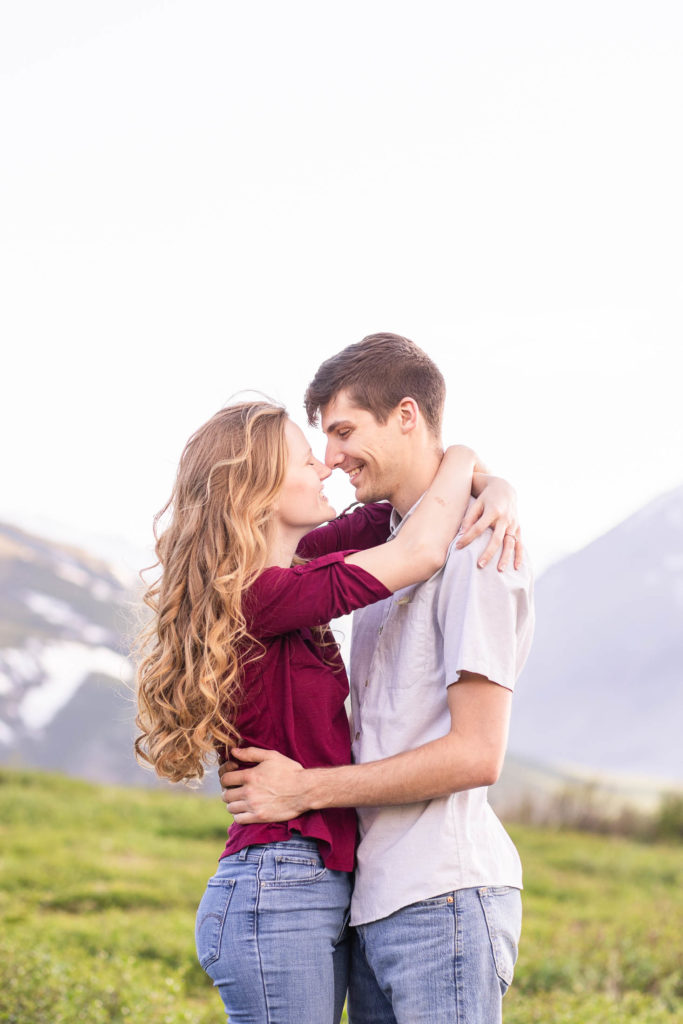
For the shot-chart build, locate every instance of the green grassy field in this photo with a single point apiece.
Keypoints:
(99, 888)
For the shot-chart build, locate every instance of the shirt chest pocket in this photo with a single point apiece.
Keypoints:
(406, 640)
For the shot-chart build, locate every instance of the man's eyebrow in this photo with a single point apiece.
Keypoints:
(336, 425)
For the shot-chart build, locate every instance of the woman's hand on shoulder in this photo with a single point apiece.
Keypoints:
(495, 506)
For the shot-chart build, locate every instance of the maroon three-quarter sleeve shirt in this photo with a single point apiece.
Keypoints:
(294, 693)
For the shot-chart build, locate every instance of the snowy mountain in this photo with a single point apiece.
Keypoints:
(603, 687)
(65, 699)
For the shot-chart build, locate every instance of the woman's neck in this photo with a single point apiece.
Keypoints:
(282, 545)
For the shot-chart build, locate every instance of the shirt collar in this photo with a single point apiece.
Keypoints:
(396, 521)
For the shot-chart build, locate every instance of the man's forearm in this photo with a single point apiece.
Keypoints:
(443, 766)
(470, 755)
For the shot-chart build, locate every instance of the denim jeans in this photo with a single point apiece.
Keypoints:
(447, 959)
(271, 933)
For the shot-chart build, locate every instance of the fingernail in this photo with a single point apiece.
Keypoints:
(481, 563)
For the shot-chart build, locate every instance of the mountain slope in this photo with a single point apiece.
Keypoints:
(64, 670)
(603, 687)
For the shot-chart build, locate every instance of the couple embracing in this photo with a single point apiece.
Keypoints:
(385, 821)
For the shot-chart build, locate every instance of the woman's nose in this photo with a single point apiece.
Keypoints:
(323, 470)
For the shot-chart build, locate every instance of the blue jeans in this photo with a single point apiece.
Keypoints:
(271, 933)
(447, 959)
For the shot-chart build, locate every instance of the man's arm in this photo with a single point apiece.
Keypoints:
(469, 756)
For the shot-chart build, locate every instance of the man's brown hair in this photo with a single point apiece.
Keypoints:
(378, 372)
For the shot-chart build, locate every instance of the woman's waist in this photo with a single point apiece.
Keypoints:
(321, 824)
(310, 751)
(304, 845)
(333, 829)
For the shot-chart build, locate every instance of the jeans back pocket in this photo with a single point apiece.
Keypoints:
(211, 919)
(502, 906)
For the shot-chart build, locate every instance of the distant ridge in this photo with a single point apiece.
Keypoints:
(603, 688)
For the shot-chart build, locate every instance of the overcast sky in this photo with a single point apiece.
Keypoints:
(202, 197)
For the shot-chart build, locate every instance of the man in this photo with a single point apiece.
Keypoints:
(436, 903)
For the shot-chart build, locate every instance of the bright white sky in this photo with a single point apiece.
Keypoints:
(201, 196)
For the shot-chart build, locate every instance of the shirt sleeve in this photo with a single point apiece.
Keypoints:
(363, 528)
(486, 617)
(282, 600)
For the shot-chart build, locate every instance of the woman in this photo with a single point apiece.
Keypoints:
(239, 650)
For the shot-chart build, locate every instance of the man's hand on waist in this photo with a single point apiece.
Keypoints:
(273, 790)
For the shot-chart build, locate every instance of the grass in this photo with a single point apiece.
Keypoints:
(603, 918)
(99, 887)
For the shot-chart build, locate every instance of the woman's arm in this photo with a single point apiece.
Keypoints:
(364, 527)
(420, 547)
(368, 526)
(281, 600)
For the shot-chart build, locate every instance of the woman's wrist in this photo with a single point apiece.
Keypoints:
(480, 481)
(479, 468)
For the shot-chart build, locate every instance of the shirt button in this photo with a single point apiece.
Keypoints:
(357, 736)
(367, 682)
(379, 631)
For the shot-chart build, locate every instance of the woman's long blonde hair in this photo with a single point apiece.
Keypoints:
(192, 651)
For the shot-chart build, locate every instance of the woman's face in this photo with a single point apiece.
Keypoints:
(301, 503)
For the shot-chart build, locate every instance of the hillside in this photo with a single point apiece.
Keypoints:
(99, 902)
(603, 687)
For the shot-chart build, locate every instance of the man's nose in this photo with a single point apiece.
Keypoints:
(333, 456)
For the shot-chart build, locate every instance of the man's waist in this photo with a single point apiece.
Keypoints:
(464, 816)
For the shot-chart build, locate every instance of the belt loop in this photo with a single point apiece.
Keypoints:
(243, 853)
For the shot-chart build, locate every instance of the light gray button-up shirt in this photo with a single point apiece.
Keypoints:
(405, 653)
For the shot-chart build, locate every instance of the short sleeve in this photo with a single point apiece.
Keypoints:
(282, 600)
(363, 528)
(486, 617)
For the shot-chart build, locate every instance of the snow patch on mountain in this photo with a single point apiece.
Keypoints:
(96, 587)
(63, 667)
(59, 613)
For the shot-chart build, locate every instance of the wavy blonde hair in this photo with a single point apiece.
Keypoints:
(191, 653)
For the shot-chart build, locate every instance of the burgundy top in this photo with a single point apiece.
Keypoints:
(295, 693)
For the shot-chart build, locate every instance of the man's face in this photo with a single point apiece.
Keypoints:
(370, 452)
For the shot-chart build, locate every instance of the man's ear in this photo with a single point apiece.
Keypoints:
(409, 414)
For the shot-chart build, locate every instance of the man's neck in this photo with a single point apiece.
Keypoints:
(416, 476)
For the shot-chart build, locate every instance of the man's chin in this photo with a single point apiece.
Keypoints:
(365, 494)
